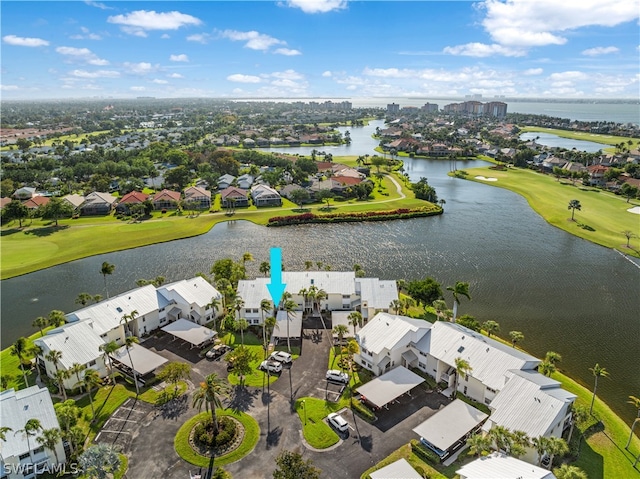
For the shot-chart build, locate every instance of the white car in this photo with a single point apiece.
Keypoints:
(271, 366)
(337, 376)
(281, 357)
(337, 421)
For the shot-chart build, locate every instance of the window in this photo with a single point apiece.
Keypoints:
(491, 390)
(422, 365)
(423, 354)
(487, 401)
(23, 456)
(92, 363)
(346, 296)
(143, 319)
(39, 450)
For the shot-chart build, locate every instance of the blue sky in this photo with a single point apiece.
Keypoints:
(320, 48)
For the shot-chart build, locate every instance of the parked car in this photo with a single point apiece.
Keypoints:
(281, 357)
(217, 351)
(271, 366)
(337, 421)
(337, 376)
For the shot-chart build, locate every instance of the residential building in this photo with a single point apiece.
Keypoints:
(36, 202)
(97, 203)
(393, 108)
(264, 195)
(245, 181)
(233, 196)
(166, 200)
(74, 200)
(501, 466)
(198, 197)
(192, 297)
(225, 181)
(130, 199)
(18, 452)
(24, 193)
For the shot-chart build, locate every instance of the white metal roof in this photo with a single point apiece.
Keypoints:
(500, 466)
(377, 293)
(16, 408)
(387, 331)
(489, 359)
(450, 424)
(342, 317)
(78, 343)
(384, 389)
(143, 360)
(400, 469)
(295, 324)
(107, 314)
(525, 405)
(194, 291)
(190, 332)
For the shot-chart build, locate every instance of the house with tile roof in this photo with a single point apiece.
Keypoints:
(264, 195)
(36, 202)
(74, 200)
(166, 200)
(16, 408)
(98, 203)
(197, 197)
(130, 199)
(233, 196)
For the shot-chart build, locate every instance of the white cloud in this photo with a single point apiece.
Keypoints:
(327, 74)
(568, 75)
(525, 23)
(138, 88)
(24, 41)
(99, 5)
(318, 6)
(476, 49)
(199, 38)
(592, 52)
(159, 82)
(175, 75)
(141, 68)
(179, 58)
(8, 87)
(254, 40)
(239, 78)
(86, 35)
(81, 55)
(141, 21)
(533, 71)
(165, 36)
(287, 51)
(95, 74)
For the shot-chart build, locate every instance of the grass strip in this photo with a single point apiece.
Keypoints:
(405, 452)
(316, 431)
(186, 452)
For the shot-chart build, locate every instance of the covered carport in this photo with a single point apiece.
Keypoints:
(447, 431)
(192, 333)
(137, 358)
(288, 324)
(386, 388)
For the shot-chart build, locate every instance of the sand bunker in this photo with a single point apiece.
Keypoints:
(483, 178)
(635, 210)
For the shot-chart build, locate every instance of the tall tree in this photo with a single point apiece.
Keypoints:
(57, 208)
(107, 269)
(210, 394)
(289, 306)
(107, 350)
(463, 368)
(246, 257)
(540, 444)
(49, 439)
(19, 349)
(351, 349)
(491, 327)
(516, 337)
(635, 402)
(479, 445)
(355, 319)
(99, 461)
(127, 319)
(90, 380)
(31, 429)
(83, 299)
(77, 368)
(16, 210)
(566, 471)
(128, 345)
(57, 318)
(265, 307)
(40, 322)
(573, 206)
(459, 289)
(291, 465)
(265, 268)
(598, 372)
(174, 372)
(556, 446)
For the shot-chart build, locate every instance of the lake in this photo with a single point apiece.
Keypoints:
(555, 141)
(564, 293)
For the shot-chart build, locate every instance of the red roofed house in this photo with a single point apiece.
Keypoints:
(4, 201)
(596, 175)
(166, 199)
(132, 198)
(36, 202)
(233, 196)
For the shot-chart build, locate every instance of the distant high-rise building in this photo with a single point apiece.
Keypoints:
(430, 107)
(495, 109)
(393, 108)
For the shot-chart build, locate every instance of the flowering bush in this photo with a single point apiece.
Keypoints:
(400, 213)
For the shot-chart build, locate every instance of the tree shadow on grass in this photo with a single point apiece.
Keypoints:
(301, 210)
(10, 231)
(46, 231)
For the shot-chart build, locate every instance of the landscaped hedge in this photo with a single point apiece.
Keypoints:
(363, 411)
(400, 213)
(423, 452)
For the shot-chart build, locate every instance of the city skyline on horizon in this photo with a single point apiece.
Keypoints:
(321, 49)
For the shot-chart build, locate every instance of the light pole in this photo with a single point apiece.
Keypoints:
(304, 409)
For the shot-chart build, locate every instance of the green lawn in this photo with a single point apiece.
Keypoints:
(583, 135)
(406, 453)
(315, 430)
(186, 452)
(602, 218)
(40, 245)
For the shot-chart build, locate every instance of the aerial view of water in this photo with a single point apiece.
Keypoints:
(555, 141)
(564, 293)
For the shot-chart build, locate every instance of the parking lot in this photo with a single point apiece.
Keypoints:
(125, 422)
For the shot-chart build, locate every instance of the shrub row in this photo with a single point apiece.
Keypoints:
(363, 411)
(424, 452)
(400, 213)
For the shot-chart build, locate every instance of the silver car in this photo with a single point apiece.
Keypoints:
(337, 421)
(337, 376)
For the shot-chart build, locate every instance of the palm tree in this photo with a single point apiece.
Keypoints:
(61, 376)
(440, 306)
(516, 337)
(77, 368)
(99, 461)
(395, 305)
(635, 402)
(90, 380)
(490, 327)
(214, 304)
(107, 269)
(459, 289)
(479, 445)
(30, 429)
(546, 368)
(556, 446)
(265, 268)
(553, 357)
(265, 307)
(50, 439)
(57, 318)
(540, 444)
(36, 351)
(211, 393)
(597, 372)
(40, 322)
(352, 348)
(3, 437)
(108, 349)
(246, 257)
(241, 325)
(565, 471)
(462, 368)
(307, 265)
(289, 306)
(573, 206)
(126, 320)
(83, 299)
(501, 436)
(128, 344)
(270, 323)
(355, 319)
(19, 349)
(519, 443)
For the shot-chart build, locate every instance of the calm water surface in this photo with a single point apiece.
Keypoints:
(563, 293)
(556, 141)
